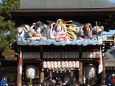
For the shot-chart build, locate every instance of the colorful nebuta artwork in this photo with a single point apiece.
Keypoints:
(63, 30)
(86, 31)
(60, 30)
(37, 32)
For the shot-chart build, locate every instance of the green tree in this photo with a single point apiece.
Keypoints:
(8, 28)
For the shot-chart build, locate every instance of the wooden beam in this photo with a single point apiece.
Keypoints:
(66, 10)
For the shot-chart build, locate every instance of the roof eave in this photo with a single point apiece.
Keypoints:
(67, 10)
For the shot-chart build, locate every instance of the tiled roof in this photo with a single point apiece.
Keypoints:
(45, 4)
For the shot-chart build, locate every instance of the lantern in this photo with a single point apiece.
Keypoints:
(58, 64)
(44, 64)
(55, 64)
(74, 64)
(70, 64)
(63, 64)
(91, 55)
(67, 64)
(30, 72)
(77, 64)
(51, 64)
(48, 65)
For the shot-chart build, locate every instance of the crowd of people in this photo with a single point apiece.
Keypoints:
(61, 81)
(72, 81)
(110, 80)
(64, 81)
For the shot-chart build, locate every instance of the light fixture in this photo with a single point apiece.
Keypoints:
(103, 44)
(47, 70)
(90, 64)
(103, 54)
(111, 44)
(42, 70)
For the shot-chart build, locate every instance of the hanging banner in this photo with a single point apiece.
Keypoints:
(100, 66)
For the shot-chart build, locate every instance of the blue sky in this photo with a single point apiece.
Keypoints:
(112, 1)
(1, 1)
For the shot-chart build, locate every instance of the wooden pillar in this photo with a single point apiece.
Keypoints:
(19, 75)
(103, 72)
(114, 38)
(38, 74)
(81, 72)
(71, 73)
(41, 77)
(50, 74)
(102, 64)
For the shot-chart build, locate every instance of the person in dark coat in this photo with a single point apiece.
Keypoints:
(108, 81)
(4, 82)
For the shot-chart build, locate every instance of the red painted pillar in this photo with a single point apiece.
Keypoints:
(19, 75)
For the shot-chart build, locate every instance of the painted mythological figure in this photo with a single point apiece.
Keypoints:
(59, 31)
